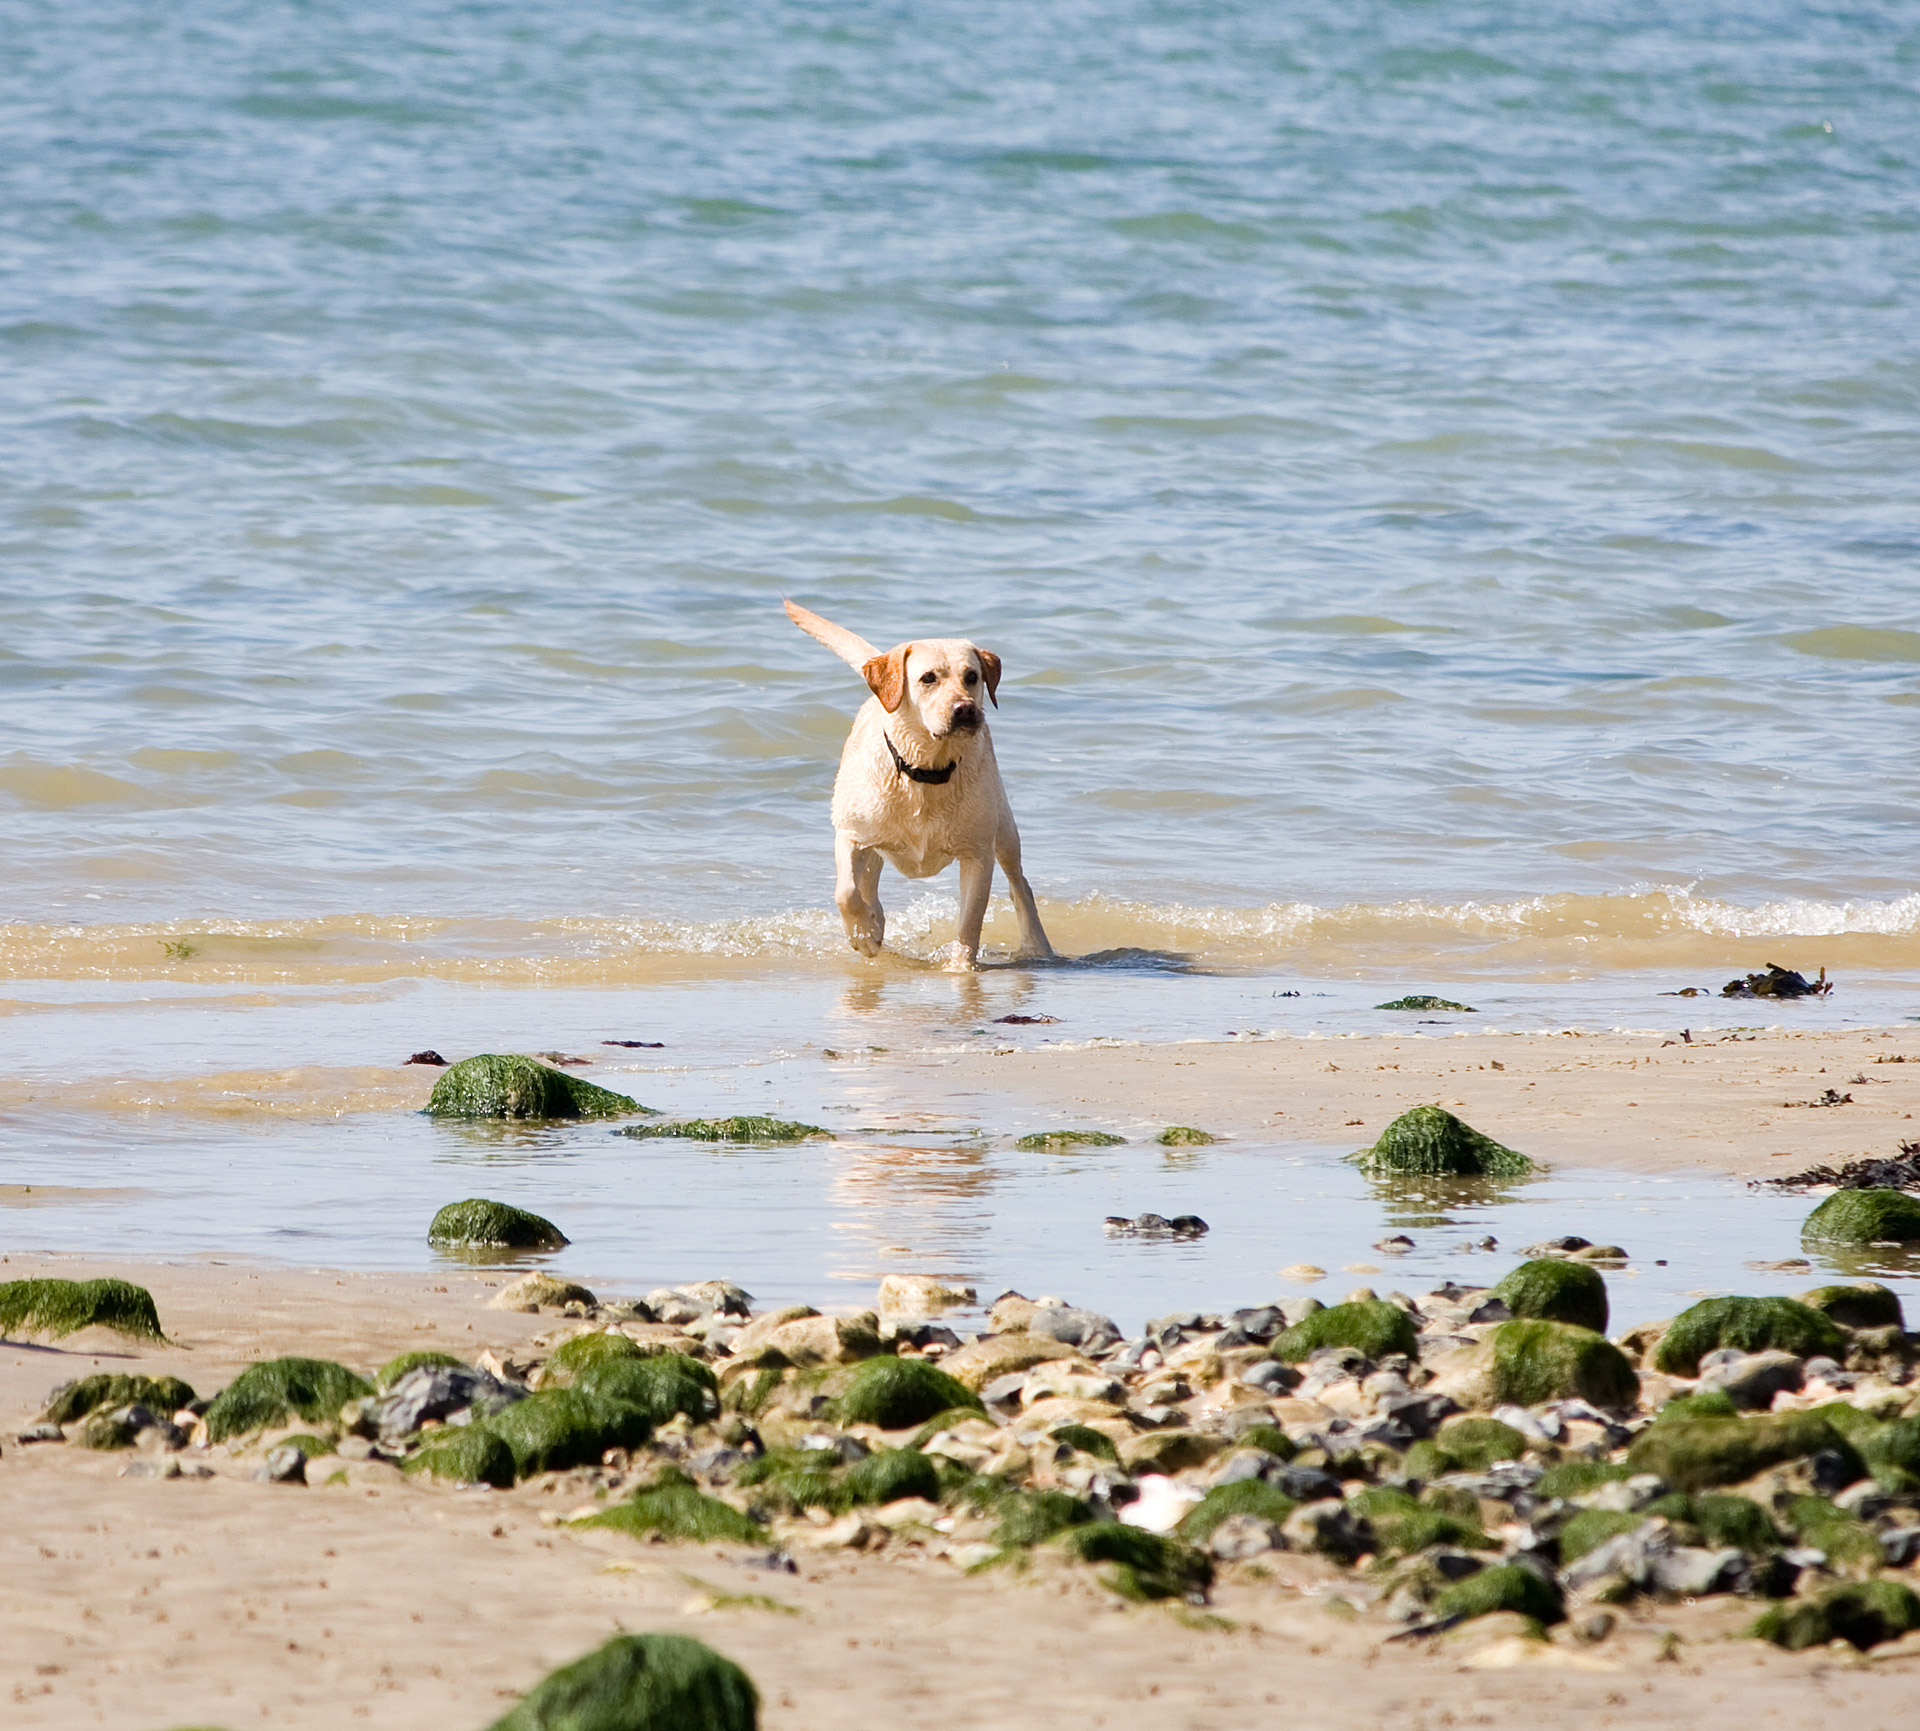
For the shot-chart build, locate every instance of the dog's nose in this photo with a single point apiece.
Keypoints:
(966, 715)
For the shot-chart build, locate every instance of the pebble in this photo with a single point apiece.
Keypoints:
(1303, 1271)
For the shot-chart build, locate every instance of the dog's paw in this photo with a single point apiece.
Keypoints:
(862, 944)
(961, 959)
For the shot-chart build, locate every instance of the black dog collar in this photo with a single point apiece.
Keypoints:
(913, 772)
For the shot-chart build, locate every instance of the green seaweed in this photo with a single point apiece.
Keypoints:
(1588, 1529)
(494, 1226)
(887, 1475)
(1426, 1001)
(1055, 1141)
(160, 1395)
(1429, 1141)
(660, 1386)
(1472, 1445)
(1577, 1478)
(512, 1085)
(1087, 1440)
(1891, 1451)
(57, 1308)
(1401, 1522)
(1816, 1522)
(790, 1480)
(572, 1356)
(1144, 1566)
(1370, 1326)
(1864, 1614)
(1693, 1454)
(748, 1128)
(748, 1395)
(467, 1454)
(1269, 1439)
(1033, 1517)
(1553, 1290)
(565, 1427)
(894, 1393)
(1864, 1217)
(1859, 1304)
(1541, 1361)
(1185, 1136)
(426, 1358)
(1748, 1325)
(676, 1508)
(270, 1393)
(641, 1683)
(1733, 1521)
(1246, 1497)
(1504, 1587)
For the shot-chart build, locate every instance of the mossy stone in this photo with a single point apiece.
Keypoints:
(1269, 1439)
(1588, 1529)
(742, 1129)
(1185, 1136)
(1144, 1566)
(395, 1368)
(887, 1475)
(1401, 1522)
(1371, 1326)
(641, 1683)
(565, 1427)
(493, 1226)
(1864, 1217)
(1748, 1325)
(790, 1480)
(894, 1393)
(1473, 1444)
(573, 1356)
(57, 1308)
(1846, 1541)
(1427, 1001)
(512, 1085)
(1055, 1141)
(466, 1454)
(270, 1393)
(1246, 1497)
(1541, 1361)
(1863, 1304)
(659, 1386)
(1892, 1452)
(1086, 1439)
(1708, 1403)
(1506, 1587)
(1430, 1142)
(1864, 1614)
(1577, 1478)
(161, 1395)
(1738, 1522)
(1700, 1453)
(676, 1508)
(1033, 1517)
(1552, 1290)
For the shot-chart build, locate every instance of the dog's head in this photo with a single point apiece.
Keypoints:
(939, 680)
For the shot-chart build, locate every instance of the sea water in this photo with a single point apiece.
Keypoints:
(1442, 482)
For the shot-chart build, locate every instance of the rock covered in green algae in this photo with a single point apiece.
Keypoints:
(57, 1308)
(1749, 1325)
(1427, 1001)
(270, 1393)
(742, 1129)
(566, 1427)
(1504, 1587)
(583, 1351)
(1082, 1437)
(641, 1683)
(1846, 1541)
(1552, 1290)
(160, 1395)
(395, 1368)
(676, 1508)
(1144, 1566)
(1540, 1361)
(1030, 1518)
(1694, 1454)
(511, 1085)
(1864, 1217)
(894, 1393)
(1864, 1613)
(1588, 1529)
(1371, 1326)
(466, 1454)
(493, 1226)
(1891, 1451)
(661, 1386)
(1055, 1141)
(1400, 1522)
(1243, 1497)
(889, 1474)
(1469, 1444)
(1860, 1304)
(1430, 1142)
(1185, 1136)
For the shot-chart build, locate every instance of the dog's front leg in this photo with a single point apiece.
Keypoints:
(1033, 936)
(976, 885)
(856, 893)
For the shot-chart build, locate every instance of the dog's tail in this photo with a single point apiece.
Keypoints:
(852, 648)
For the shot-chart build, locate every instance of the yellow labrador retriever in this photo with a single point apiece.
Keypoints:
(918, 787)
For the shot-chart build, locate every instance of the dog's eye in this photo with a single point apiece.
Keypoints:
(929, 679)
(970, 677)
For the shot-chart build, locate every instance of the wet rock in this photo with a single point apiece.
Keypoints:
(1749, 1325)
(1271, 1377)
(919, 1295)
(44, 1432)
(1169, 1451)
(1430, 1141)
(749, 1128)
(1086, 1329)
(439, 1392)
(1374, 1328)
(1240, 1537)
(1751, 1379)
(1426, 1001)
(1185, 1136)
(55, 1309)
(1554, 1290)
(818, 1340)
(116, 1427)
(1328, 1529)
(164, 1467)
(511, 1085)
(1064, 1141)
(283, 1466)
(532, 1292)
(430, 1058)
(641, 1683)
(492, 1226)
(1864, 1217)
(996, 1355)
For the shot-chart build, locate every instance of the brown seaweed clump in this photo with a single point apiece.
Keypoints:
(1778, 982)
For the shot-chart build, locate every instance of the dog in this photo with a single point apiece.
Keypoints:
(919, 788)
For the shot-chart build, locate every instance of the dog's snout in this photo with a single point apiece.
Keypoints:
(966, 715)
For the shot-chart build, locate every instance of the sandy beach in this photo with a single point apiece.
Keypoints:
(141, 1603)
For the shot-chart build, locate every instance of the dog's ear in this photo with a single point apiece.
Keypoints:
(990, 671)
(887, 676)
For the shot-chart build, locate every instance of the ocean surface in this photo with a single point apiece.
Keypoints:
(1444, 483)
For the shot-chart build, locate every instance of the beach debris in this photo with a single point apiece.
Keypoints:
(1185, 1136)
(1429, 1141)
(482, 1224)
(1778, 982)
(1557, 1290)
(270, 1393)
(513, 1085)
(1026, 1021)
(1865, 1217)
(1156, 1226)
(641, 1683)
(1426, 1001)
(1893, 1172)
(638, 1045)
(1053, 1141)
(429, 1057)
(1832, 1097)
(58, 1308)
(741, 1129)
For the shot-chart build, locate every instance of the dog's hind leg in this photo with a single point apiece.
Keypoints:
(976, 886)
(856, 893)
(1033, 937)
